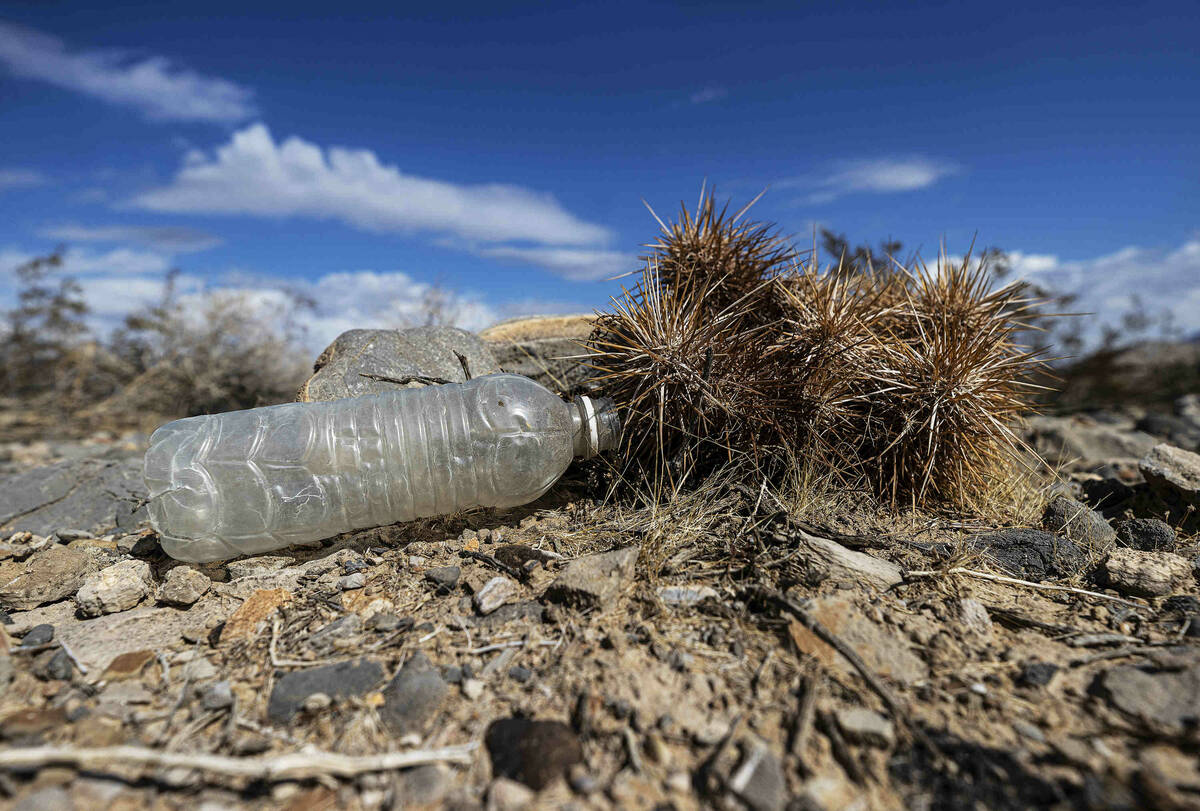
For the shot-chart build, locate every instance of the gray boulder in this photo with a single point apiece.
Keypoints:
(92, 495)
(370, 361)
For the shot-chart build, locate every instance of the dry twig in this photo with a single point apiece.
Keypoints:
(999, 578)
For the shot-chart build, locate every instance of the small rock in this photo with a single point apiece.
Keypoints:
(509, 795)
(341, 680)
(38, 635)
(1166, 699)
(686, 596)
(53, 665)
(759, 779)
(344, 627)
(352, 582)
(495, 593)
(317, 702)
(50, 798)
(443, 578)
(243, 623)
(217, 696)
(520, 674)
(247, 567)
(422, 787)
(532, 752)
(519, 555)
(1077, 521)
(1146, 534)
(974, 616)
(413, 696)
(865, 726)
(183, 586)
(472, 689)
(199, 670)
(50, 575)
(1146, 574)
(525, 611)
(116, 588)
(591, 582)
(1037, 674)
(385, 622)
(1032, 554)
(883, 650)
(1028, 730)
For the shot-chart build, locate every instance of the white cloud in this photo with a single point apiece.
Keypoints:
(881, 176)
(20, 178)
(1166, 281)
(576, 264)
(252, 174)
(707, 94)
(171, 238)
(158, 88)
(87, 262)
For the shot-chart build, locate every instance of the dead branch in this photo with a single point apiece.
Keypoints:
(999, 578)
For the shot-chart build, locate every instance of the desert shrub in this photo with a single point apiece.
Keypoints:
(906, 377)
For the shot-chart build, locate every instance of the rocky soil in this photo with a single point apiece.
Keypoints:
(548, 657)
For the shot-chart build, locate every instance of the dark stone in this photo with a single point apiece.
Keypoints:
(1146, 534)
(38, 635)
(1032, 554)
(344, 627)
(517, 555)
(1166, 699)
(386, 622)
(532, 752)
(1182, 604)
(53, 665)
(5, 617)
(367, 361)
(453, 674)
(413, 696)
(759, 779)
(341, 680)
(1179, 431)
(1037, 674)
(510, 612)
(1077, 521)
(520, 674)
(443, 578)
(92, 495)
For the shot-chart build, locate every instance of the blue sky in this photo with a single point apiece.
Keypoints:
(503, 150)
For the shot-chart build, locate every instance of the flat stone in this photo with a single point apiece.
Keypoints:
(128, 665)
(1167, 699)
(759, 779)
(423, 786)
(54, 664)
(443, 578)
(1174, 473)
(49, 575)
(217, 696)
(686, 596)
(549, 349)
(38, 635)
(883, 650)
(865, 726)
(93, 496)
(24, 724)
(248, 567)
(116, 588)
(413, 696)
(509, 795)
(1037, 674)
(338, 681)
(1084, 441)
(534, 753)
(1146, 574)
(243, 623)
(183, 586)
(368, 361)
(1032, 554)
(495, 593)
(50, 798)
(974, 616)
(1077, 521)
(594, 581)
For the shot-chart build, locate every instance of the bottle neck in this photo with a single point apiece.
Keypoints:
(597, 426)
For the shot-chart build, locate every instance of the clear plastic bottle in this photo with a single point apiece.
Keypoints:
(248, 482)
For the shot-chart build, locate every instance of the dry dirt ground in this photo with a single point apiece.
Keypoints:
(710, 654)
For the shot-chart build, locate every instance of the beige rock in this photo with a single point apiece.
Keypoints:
(495, 593)
(116, 588)
(183, 586)
(50, 575)
(884, 651)
(1146, 574)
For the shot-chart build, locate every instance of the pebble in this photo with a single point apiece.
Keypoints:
(865, 726)
(443, 578)
(1037, 674)
(351, 582)
(340, 680)
(520, 674)
(495, 593)
(686, 596)
(593, 581)
(759, 779)
(38, 635)
(472, 689)
(116, 588)
(262, 564)
(413, 696)
(217, 696)
(1028, 730)
(1145, 574)
(183, 586)
(509, 795)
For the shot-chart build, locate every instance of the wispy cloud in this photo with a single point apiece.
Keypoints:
(707, 94)
(87, 262)
(18, 178)
(576, 264)
(254, 175)
(170, 238)
(153, 85)
(880, 176)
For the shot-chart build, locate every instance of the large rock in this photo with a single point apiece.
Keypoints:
(1146, 574)
(532, 752)
(93, 495)
(115, 588)
(1032, 554)
(1174, 473)
(53, 574)
(1085, 442)
(547, 348)
(369, 361)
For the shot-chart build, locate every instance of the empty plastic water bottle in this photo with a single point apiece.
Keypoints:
(248, 482)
